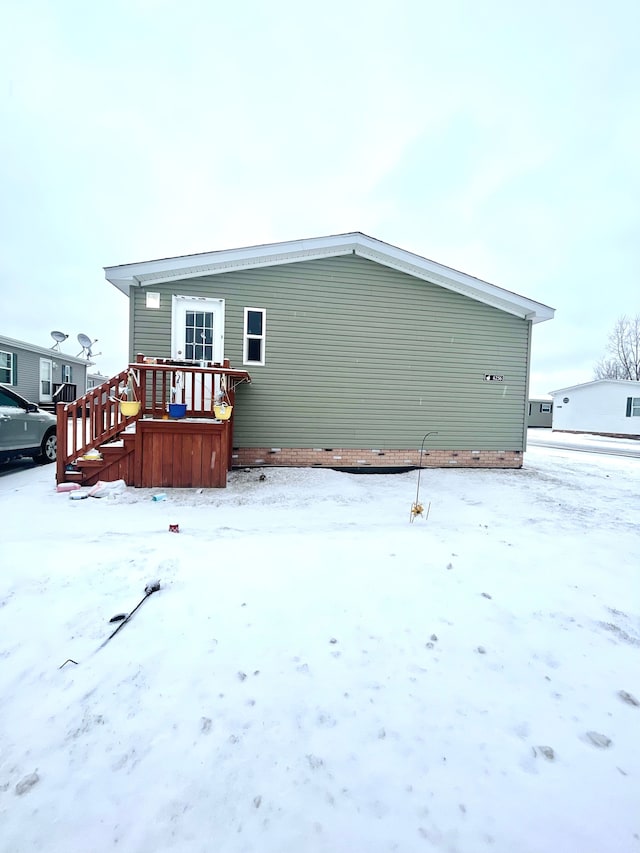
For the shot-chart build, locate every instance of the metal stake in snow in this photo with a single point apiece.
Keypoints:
(123, 618)
(149, 589)
(416, 507)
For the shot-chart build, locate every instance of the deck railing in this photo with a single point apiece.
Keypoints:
(64, 392)
(96, 417)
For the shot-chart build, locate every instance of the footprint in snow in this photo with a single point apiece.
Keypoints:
(598, 739)
(26, 784)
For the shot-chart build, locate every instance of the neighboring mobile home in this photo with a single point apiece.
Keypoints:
(95, 379)
(604, 406)
(43, 376)
(540, 412)
(356, 350)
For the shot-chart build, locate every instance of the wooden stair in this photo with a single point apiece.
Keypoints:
(117, 463)
(142, 445)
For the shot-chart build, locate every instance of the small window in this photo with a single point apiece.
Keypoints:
(66, 373)
(545, 408)
(254, 335)
(635, 407)
(6, 368)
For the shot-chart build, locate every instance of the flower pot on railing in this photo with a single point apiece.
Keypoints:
(177, 410)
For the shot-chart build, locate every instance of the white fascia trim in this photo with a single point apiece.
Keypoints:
(240, 264)
(625, 382)
(227, 260)
(474, 288)
(149, 273)
(53, 354)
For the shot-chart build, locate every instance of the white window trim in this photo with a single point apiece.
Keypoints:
(635, 407)
(10, 367)
(246, 337)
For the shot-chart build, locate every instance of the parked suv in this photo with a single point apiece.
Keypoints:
(25, 430)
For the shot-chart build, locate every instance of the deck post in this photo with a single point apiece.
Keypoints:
(61, 440)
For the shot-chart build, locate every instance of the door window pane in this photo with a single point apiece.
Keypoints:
(198, 335)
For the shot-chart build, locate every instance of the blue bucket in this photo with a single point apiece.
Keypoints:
(177, 410)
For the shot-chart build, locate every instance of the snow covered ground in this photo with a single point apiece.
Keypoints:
(318, 674)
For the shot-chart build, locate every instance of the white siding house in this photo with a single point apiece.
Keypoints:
(44, 376)
(607, 406)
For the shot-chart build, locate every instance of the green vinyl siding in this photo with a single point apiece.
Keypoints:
(361, 356)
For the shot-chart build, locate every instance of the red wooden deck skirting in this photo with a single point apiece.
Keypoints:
(182, 453)
(148, 448)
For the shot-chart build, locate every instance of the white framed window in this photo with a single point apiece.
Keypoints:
(66, 373)
(7, 368)
(255, 323)
(545, 408)
(633, 407)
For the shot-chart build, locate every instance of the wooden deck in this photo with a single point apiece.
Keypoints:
(149, 448)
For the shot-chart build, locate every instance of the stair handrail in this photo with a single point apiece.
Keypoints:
(96, 417)
(90, 421)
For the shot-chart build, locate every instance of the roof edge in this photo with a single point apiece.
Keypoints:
(54, 353)
(595, 382)
(149, 273)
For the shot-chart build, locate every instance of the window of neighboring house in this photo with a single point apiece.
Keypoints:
(633, 407)
(7, 370)
(545, 408)
(66, 373)
(254, 335)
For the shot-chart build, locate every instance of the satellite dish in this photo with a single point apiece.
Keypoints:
(58, 337)
(86, 343)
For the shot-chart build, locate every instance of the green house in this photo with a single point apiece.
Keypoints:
(356, 350)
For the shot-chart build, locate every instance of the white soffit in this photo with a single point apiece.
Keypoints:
(150, 273)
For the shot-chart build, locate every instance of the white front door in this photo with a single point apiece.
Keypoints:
(197, 329)
(197, 335)
(46, 380)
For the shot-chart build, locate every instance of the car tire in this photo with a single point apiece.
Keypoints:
(48, 448)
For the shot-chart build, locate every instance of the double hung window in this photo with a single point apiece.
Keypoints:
(254, 335)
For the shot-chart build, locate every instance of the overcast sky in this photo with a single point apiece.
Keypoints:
(501, 138)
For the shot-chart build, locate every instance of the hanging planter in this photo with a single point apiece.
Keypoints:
(222, 408)
(222, 411)
(129, 403)
(129, 407)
